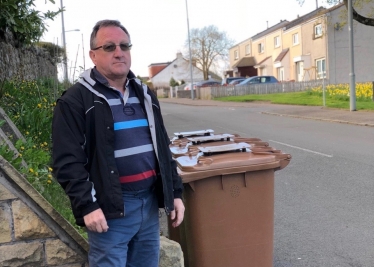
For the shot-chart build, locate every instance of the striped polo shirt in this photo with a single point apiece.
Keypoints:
(133, 149)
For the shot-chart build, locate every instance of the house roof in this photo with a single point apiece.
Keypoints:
(261, 63)
(280, 25)
(245, 62)
(281, 55)
(305, 18)
(159, 64)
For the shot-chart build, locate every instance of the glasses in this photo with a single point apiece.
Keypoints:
(112, 47)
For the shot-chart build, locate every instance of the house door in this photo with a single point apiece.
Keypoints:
(299, 70)
(281, 74)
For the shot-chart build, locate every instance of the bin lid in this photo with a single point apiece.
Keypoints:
(194, 133)
(226, 161)
(211, 138)
(189, 149)
(234, 147)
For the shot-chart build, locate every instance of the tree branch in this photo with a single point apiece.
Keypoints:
(361, 19)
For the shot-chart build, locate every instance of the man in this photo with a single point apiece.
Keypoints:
(111, 155)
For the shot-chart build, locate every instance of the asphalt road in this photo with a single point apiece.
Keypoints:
(324, 200)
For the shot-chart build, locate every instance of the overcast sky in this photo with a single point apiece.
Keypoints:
(158, 28)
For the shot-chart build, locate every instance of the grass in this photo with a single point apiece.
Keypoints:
(306, 98)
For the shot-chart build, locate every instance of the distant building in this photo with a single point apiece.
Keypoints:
(309, 47)
(179, 69)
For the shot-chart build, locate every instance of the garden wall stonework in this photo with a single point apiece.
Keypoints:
(27, 63)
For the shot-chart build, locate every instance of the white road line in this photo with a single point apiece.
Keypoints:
(304, 149)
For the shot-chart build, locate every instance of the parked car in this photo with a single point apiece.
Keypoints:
(188, 86)
(258, 79)
(206, 83)
(227, 80)
(236, 81)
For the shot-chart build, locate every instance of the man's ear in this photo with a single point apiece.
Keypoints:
(93, 56)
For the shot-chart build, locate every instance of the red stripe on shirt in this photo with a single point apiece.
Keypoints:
(137, 177)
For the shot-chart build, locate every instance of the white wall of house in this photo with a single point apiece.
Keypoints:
(338, 65)
(179, 69)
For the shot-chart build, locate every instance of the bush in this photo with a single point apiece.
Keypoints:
(173, 82)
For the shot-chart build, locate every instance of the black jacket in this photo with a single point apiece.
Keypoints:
(83, 149)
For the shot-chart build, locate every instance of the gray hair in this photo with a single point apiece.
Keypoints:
(105, 23)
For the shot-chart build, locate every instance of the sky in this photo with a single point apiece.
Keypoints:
(159, 28)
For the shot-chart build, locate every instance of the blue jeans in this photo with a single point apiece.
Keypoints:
(131, 241)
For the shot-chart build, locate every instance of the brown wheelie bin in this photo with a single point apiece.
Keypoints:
(229, 199)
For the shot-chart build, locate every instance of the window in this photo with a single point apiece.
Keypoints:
(236, 54)
(247, 49)
(321, 68)
(276, 41)
(318, 30)
(261, 48)
(295, 39)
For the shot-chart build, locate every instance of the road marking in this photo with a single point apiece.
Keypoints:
(303, 149)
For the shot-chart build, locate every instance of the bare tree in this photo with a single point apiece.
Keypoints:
(208, 46)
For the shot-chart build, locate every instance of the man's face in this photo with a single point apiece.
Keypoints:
(116, 64)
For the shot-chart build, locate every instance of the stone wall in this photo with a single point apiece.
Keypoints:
(28, 63)
(32, 233)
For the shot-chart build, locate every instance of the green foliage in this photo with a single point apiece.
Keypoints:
(25, 23)
(173, 82)
(182, 82)
(55, 51)
(29, 104)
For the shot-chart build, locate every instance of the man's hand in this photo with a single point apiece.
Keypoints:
(178, 213)
(96, 222)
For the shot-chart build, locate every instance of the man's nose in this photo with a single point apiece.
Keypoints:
(118, 50)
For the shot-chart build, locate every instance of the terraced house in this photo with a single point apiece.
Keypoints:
(310, 47)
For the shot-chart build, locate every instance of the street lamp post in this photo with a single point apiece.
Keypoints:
(189, 47)
(64, 44)
(65, 58)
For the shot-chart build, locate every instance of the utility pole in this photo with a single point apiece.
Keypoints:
(189, 47)
(352, 85)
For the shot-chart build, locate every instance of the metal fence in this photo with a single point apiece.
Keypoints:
(267, 88)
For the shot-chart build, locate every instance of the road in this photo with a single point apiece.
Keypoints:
(324, 200)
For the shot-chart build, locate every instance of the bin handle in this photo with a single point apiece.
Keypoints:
(204, 161)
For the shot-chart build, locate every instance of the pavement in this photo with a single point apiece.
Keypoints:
(362, 118)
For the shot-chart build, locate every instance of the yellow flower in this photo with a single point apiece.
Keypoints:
(22, 148)
(50, 169)
(39, 105)
(27, 132)
(49, 176)
(45, 100)
(20, 155)
(45, 143)
(49, 181)
(31, 170)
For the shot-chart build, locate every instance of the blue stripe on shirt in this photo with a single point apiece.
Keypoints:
(130, 124)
